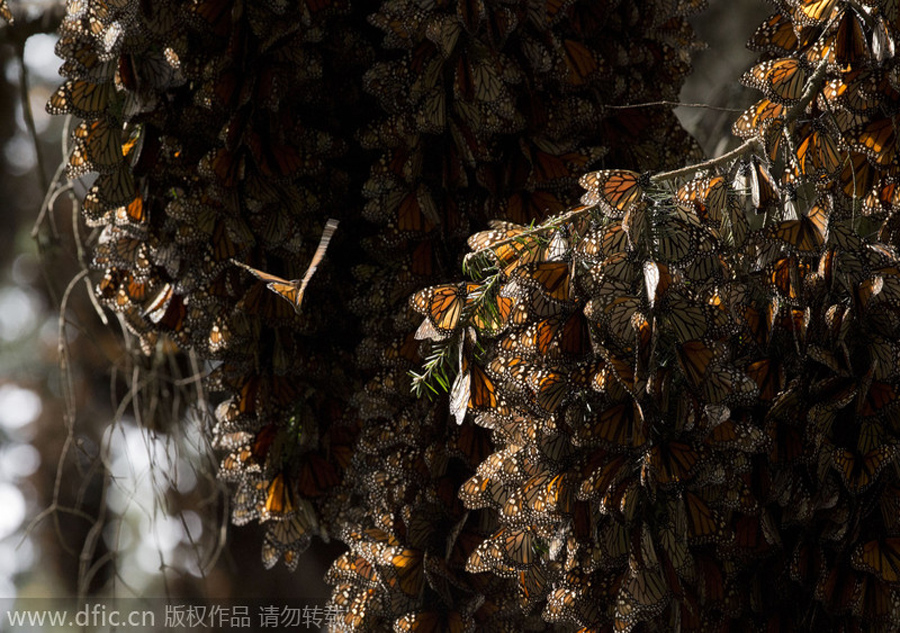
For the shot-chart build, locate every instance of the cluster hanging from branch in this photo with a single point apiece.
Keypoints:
(672, 407)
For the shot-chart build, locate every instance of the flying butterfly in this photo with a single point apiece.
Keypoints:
(292, 291)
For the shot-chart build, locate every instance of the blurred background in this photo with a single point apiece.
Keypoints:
(98, 499)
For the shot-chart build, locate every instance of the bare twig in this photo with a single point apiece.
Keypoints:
(813, 85)
(670, 104)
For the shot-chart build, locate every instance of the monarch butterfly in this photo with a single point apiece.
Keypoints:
(707, 196)
(244, 503)
(285, 540)
(582, 64)
(532, 586)
(280, 502)
(669, 463)
(704, 524)
(97, 147)
(853, 91)
(120, 288)
(403, 569)
(603, 242)
(877, 599)
(776, 36)
(491, 318)
(695, 357)
(524, 206)
(680, 237)
(616, 318)
(889, 504)
(782, 80)
(472, 389)
(644, 595)
(818, 155)
(316, 476)
(536, 339)
(510, 369)
(489, 556)
(508, 245)
(882, 41)
(757, 120)
(769, 377)
(167, 310)
(601, 472)
(82, 98)
(350, 567)
(416, 212)
(354, 616)
(858, 176)
(616, 191)
(551, 279)
(814, 12)
(442, 306)
(850, 44)
(403, 351)
(880, 558)
(81, 59)
(541, 497)
(859, 471)
(551, 388)
(763, 188)
(808, 234)
(877, 140)
(483, 491)
(619, 426)
(786, 276)
(615, 542)
(519, 545)
(292, 291)
(434, 622)
(478, 80)
(470, 442)
(615, 275)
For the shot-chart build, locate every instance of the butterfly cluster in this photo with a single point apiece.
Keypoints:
(489, 110)
(200, 168)
(692, 400)
(692, 391)
(670, 408)
(843, 55)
